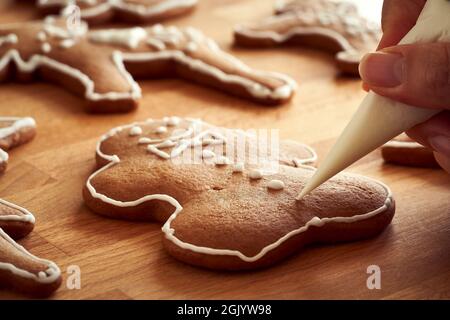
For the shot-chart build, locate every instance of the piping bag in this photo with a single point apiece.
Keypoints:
(379, 119)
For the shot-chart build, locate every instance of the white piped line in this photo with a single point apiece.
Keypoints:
(26, 217)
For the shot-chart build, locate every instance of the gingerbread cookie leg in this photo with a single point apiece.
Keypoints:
(14, 220)
(222, 210)
(333, 26)
(404, 151)
(24, 272)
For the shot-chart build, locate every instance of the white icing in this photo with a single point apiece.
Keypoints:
(135, 131)
(17, 124)
(46, 47)
(161, 129)
(255, 174)
(191, 47)
(26, 216)
(170, 232)
(67, 43)
(222, 161)
(158, 44)
(3, 156)
(403, 144)
(172, 121)
(208, 154)
(130, 38)
(41, 36)
(9, 39)
(49, 276)
(276, 185)
(238, 167)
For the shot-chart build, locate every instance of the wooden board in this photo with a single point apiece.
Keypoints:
(126, 260)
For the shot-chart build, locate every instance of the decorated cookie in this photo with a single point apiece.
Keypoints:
(19, 269)
(100, 65)
(334, 26)
(132, 11)
(221, 208)
(402, 150)
(14, 132)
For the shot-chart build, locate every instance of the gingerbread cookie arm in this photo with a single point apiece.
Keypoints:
(14, 220)
(24, 272)
(404, 151)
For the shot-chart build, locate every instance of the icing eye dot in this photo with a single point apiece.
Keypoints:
(135, 131)
(207, 154)
(41, 36)
(255, 174)
(276, 185)
(173, 121)
(46, 47)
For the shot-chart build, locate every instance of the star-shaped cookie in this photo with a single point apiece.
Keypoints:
(19, 269)
(222, 205)
(14, 131)
(130, 11)
(402, 150)
(334, 26)
(100, 65)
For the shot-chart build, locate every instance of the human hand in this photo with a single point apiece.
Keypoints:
(416, 74)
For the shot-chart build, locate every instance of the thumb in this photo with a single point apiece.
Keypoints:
(417, 75)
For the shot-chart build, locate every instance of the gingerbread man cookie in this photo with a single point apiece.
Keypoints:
(334, 26)
(221, 209)
(132, 11)
(402, 150)
(19, 269)
(14, 132)
(100, 65)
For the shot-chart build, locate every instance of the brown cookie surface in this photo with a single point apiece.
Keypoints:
(222, 210)
(131, 11)
(100, 65)
(19, 269)
(334, 26)
(14, 131)
(404, 151)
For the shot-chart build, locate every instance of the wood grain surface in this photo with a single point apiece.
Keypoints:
(125, 260)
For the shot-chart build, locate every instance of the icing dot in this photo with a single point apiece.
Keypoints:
(222, 161)
(166, 144)
(144, 140)
(191, 47)
(238, 167)
(207, 154)
(46, 47)
(41, 36)
(173, 121)
(161, 129)
(135, 131)
(275, 185)
(255, 174)
(67, 43)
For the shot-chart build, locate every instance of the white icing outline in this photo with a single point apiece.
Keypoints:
(255, 89)
(27, 217)
(140, 10)
(169, 232)
(18, 123)
(403, 144)
(52, 273)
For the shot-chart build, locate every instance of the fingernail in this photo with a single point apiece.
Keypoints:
(382, 69)
(440, 144)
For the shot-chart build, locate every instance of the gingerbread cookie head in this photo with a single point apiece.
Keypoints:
(19, 269)
(14, 131)
(222, 211)
(99, 65)
(131, 11)
(334, 26)
(404, 151)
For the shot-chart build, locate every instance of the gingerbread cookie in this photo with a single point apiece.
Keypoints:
(334, 26)
(100, 65)
(402, 150)
(222, 209)
(19, 269)
(14, 132)
(131, 11)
